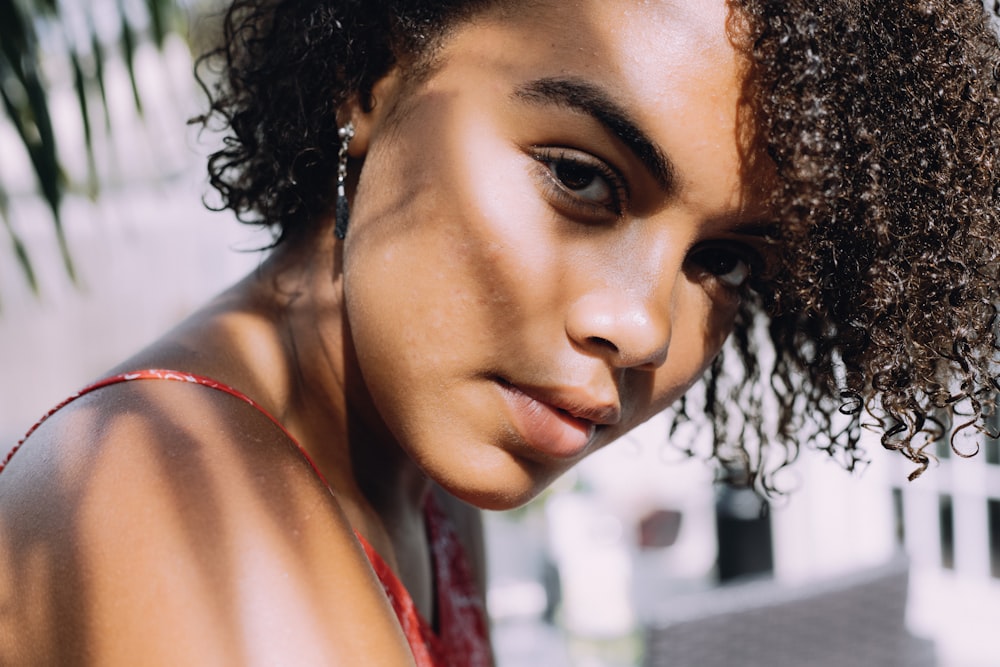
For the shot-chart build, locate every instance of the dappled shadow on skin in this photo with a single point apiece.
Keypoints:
(30, 557)
(51, 501)
(61, 540)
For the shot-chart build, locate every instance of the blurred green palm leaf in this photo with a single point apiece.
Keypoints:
(31, 30)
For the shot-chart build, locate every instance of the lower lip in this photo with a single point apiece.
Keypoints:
(547, 429)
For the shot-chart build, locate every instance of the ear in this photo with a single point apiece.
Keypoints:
(369, 118)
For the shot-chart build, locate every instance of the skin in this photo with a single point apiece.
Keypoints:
(512, 267)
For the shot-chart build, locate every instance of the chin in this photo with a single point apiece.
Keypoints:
(500, 502)
(501, 494)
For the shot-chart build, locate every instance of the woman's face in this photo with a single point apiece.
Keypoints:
(548, 236)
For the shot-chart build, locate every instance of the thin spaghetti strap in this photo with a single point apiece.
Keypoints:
(174, 376)
(455, 600)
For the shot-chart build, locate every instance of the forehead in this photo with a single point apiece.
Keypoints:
(671, 63)
(631, 38)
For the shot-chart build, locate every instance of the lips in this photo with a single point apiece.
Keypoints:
(555, 431)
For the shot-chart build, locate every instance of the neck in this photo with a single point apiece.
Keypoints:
(326, 405)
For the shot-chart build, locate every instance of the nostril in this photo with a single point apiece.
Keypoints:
(603, 343)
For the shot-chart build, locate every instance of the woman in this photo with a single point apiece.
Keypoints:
(507, 233)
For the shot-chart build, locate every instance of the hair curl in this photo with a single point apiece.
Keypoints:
(881, 120)
(284, 70)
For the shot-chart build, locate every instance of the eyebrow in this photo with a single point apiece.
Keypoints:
(585, 97)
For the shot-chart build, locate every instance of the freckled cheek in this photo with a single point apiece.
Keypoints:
(466, 246)
(505, 255)
(459, 293)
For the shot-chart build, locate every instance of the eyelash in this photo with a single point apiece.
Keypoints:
(552, 158)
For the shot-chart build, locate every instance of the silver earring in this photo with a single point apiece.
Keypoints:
(346, 133)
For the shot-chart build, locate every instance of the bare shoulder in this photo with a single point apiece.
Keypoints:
(166, 523)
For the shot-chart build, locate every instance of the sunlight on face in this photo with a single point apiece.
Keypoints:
(548, 242)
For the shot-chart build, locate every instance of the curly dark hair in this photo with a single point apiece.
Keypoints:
(882, 121)
(286, 67)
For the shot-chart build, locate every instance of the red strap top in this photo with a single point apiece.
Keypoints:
(463, 639)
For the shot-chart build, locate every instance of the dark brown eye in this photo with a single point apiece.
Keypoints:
(730, 266)
(580, 184)
(582, 180)
(574, 176)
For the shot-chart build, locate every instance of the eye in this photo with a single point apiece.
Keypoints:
(582, 183)
(732, 265)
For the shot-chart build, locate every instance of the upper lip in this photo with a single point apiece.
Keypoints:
(577, 401)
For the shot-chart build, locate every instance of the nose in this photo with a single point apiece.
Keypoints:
(622, 327)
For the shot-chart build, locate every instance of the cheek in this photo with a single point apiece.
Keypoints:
(455, 253)
(701, 326)
(428, 274)
(706, 326)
